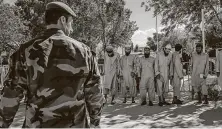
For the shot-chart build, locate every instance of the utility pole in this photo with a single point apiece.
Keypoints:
(203, 29)
(157, 44)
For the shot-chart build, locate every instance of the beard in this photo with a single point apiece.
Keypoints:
(165, 53)
(198, 52)
(127, 53)
(147, 55)
(111, 55)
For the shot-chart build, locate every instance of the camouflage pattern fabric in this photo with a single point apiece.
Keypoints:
(61, 80)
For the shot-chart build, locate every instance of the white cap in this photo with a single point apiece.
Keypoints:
(147, 47)
(168, 46)
(128, 46)
(109, 47)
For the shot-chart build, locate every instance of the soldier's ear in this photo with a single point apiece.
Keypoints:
(62, 19)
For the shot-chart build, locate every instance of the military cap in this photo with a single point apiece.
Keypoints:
(60, 6)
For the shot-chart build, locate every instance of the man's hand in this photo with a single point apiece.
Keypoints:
(102, 74)
(121, 77)
(133, 74)
(158, 76)
(218, 74)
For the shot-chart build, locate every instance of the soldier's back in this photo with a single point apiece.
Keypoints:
(58, 67)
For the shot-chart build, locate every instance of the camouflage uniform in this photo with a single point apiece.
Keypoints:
(61, 79)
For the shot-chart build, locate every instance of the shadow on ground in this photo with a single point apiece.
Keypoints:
(135, 116)
(186, 115)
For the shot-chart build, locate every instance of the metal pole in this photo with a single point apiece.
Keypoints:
(157, 35)
(203, 30)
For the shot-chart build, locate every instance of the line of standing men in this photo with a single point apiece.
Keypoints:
(154, 74)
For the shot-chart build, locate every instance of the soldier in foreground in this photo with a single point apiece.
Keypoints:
(163, 67)
(111, 71)
(147, 77)
(200, 69)
(177, 71)
(59, 74)
(128, 70)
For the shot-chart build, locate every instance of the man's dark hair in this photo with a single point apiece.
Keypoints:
(199, 45)
(178, 47)
(52, 16)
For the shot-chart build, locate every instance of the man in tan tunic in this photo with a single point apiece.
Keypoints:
(128, 66)
(200, 69)
(163, 67)
(111, 71)
(177, 73)
(146, 75)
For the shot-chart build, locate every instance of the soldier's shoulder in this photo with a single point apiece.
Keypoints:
(71, 42)
(21, 49)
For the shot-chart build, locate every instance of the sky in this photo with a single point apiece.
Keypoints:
(145, 21)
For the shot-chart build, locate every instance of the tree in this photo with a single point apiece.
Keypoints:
(13, 32)
(188, 13)
(97, 20)
(183, 12)
(151, 41)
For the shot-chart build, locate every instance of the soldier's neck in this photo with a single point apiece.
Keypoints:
(53, 26)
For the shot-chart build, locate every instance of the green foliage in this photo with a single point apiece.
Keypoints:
(13, 32)
(188, 12)
(97, 20)
(151, 41)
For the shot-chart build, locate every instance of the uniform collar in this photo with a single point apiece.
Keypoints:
(52, 31)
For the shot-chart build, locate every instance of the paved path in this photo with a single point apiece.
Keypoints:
(135, 116)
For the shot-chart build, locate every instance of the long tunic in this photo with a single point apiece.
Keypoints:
(128, 64)
(177, 73)
(111, 71)
(163, 67)
(61, 78)
(199, 68)
(147, 77)
(219, 67)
